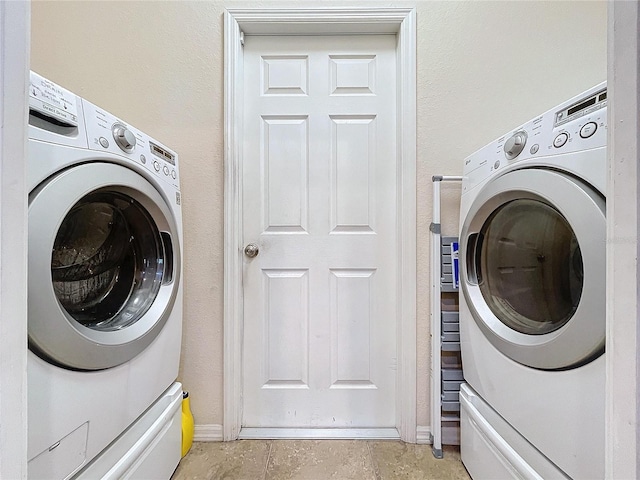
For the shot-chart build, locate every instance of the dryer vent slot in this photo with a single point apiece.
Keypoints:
(40, 120)
(167, 276)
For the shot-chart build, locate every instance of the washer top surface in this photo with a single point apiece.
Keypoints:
(554, 139)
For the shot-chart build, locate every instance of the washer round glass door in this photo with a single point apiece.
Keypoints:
(534, 269)
(102, 259)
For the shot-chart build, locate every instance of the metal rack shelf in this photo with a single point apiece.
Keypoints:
(446, 362)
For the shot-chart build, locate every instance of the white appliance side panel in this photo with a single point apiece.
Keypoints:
(561, 412)
(63, 458)
(161, 459)
(110, 400)
(492, 449)
(150, 448)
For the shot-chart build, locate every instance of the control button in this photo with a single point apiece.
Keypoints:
(174, 175)
(496, 165)
(143, 159)
(104, 142)
(165, 169)
(588, 129)
(124, 138)
(560, 140)
(534, 149)
(156, 165)
(515, 144)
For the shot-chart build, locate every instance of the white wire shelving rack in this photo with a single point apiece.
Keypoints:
(436, 314)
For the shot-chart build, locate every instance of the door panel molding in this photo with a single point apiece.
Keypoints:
(399, 21)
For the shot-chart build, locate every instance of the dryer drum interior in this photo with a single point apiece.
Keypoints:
(529, 266)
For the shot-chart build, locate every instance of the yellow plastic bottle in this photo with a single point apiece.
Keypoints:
(187, 424)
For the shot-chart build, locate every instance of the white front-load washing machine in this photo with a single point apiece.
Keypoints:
(105, 294)
(532, 309)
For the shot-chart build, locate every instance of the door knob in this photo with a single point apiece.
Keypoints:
(251, 250)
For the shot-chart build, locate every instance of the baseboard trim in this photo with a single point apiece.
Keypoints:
(320, 433)
(423, 435)
(207, 433)
(213, 433)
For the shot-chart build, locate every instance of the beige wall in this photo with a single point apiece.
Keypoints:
(483, 68)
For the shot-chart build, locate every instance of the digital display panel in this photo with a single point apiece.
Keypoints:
(587, 106)
(582, 105)
(162, 153)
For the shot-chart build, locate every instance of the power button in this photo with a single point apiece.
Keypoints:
(588, 129)
(560, 140)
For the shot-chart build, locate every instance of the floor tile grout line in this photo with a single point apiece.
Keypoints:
(266, 465)
(374, 465)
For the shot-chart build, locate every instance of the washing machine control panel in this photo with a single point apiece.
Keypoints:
(574, 126)
(107, 133)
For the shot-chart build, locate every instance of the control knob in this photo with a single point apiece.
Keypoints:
(515, 144)
(124, 138)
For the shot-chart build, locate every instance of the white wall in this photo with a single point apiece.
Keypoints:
(483, 68)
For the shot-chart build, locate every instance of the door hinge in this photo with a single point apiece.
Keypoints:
(242, 39)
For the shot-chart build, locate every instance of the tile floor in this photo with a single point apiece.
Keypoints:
(318, 460)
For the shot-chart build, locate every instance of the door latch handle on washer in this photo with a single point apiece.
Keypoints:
(251, 250)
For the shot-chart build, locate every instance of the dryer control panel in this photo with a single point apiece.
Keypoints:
(107, 133)
(554, 138)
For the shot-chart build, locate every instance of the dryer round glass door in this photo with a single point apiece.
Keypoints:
(103, 265)
(529, 266)
(533, 273)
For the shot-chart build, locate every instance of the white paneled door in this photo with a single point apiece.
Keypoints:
(319, 202)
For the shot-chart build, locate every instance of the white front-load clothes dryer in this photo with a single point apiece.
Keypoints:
(105, 294)
(532, 309)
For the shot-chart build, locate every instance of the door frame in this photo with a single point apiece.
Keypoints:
(622, 400)
(326, 21)
(15, 41)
